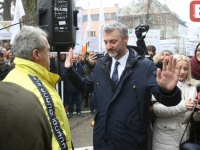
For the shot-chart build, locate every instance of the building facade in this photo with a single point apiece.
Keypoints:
(110, 15)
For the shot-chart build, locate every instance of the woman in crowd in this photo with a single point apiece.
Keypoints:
(195, 68)
(171, 122)
(195, 63)
(9, 56)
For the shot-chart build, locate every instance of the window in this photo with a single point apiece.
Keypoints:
(95, 17)
(106, 16)
(92, 33)
(113, 16)
(85, 18)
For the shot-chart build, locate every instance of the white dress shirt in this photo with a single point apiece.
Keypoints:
(121, 66)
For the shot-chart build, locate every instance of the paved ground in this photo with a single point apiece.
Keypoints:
(81, 128)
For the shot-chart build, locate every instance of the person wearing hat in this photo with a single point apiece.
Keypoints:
(4, 67)
(158, 58)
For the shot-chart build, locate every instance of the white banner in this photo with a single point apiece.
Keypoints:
(101, 44)
(78, 46)
(190, 48)
(6, 33)
(19, 12)
(170, 44)
(94, 44)
(89, 24)
(152, 38)
(193, 34)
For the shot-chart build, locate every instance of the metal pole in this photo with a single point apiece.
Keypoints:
(59, 69)
(101, 40)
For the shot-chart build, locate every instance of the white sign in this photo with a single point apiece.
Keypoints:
(191, 33)
(152, 38)
(6, 33)
(182, 30)
(94, 44)
(190, 48)
(78, 46)
(170, 44)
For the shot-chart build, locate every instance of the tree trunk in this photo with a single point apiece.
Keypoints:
(30, 8)
(6, 8)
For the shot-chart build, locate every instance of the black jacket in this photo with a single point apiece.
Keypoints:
(4, 70)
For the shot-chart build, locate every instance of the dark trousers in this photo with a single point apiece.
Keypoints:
(74, 97)
(92, 101)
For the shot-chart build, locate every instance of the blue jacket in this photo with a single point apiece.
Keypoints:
(68, 85)
(121, 120)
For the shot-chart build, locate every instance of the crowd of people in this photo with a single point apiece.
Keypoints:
(6, 58)
(124, 88)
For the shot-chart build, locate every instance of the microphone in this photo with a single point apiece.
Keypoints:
(198, 98)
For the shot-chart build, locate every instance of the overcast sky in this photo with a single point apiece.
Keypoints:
(105, 3)
(180, 7)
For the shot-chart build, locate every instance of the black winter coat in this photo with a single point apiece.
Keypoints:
(121, 121)
(4, 70)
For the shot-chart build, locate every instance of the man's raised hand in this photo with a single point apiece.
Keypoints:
(167, 78)
(69, 59)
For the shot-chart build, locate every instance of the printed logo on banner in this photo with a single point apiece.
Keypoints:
(195, 11)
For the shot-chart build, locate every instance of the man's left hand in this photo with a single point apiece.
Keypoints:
(168, 78)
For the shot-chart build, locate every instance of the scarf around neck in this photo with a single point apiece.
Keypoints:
(195, 68)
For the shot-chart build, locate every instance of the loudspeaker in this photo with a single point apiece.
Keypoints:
(59, 19)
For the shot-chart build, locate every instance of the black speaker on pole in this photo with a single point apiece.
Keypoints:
(59, 19)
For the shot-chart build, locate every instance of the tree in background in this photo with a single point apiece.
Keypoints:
(153, 13)
(30, 8)
(6, 6)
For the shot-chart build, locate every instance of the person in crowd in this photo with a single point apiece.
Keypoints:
(63, 78)
(159, 58)
(6, 45)
(52, 63)
(73, 95)
(23, 123)
(81, 59)
(151, 50)
(123, 82)
(9, 56)
(195, 67)
(195, 63)
(55, 55)
(31, 71)
(85, 96)
(4, 67)
(88, 69)
(171, 122)
(4, 51)
(62, 63)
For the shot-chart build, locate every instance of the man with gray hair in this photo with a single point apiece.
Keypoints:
(31, 51)
(122, 82)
